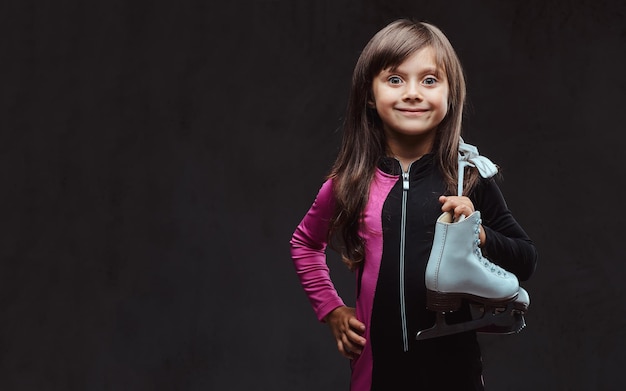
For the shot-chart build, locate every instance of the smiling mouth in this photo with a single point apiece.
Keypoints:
(413, 112)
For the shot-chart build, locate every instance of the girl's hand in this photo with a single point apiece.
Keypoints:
(347, 330)
(457, 205)
(460, 206)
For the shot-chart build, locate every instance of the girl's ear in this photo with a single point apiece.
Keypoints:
(371, 104)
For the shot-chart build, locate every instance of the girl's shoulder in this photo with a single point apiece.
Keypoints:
(487, 190)
(325, 192)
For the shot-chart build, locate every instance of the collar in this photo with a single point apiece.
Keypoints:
(391, 165)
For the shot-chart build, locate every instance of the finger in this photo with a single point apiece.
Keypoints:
(462, 210)
(354, 342)
(348, 353)
(447, 207)
(351, 352)
(356, 325)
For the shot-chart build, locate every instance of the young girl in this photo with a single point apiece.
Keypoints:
(401, 137)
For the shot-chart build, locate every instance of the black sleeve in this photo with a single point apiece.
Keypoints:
(506, 244)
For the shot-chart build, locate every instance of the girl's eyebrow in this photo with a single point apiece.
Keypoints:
(427, 70)
(433, 70)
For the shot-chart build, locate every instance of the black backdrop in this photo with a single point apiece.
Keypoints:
(157, 156)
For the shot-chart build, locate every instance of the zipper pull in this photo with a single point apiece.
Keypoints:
(405, 180)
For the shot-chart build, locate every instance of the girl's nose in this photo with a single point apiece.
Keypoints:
(412, 91)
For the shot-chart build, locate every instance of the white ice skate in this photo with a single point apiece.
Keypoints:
(457, 271)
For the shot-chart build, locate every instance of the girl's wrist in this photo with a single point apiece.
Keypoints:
(482, 236)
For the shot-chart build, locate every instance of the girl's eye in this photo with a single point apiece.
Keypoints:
(429, 81)
(395, 80)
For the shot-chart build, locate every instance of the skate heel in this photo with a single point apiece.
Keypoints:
(443, 302)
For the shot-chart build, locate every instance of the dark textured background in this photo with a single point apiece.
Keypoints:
(157, 156)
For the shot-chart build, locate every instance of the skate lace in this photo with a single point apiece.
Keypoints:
(469, 156)
(479, 254)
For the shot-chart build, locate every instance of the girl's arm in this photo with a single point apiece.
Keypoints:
(308, 252)
(506, 242)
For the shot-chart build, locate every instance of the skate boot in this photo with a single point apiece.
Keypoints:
(457, 271)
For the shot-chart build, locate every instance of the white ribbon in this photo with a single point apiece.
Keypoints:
(468, 156)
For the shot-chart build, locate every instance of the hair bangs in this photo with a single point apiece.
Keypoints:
(394, 46)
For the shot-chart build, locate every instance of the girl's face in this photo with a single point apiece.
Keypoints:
(411, 99)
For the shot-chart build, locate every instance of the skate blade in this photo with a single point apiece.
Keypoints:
(491, 319)
(511, 325)
(502, 325)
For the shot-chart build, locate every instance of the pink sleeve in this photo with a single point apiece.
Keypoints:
(308, 252)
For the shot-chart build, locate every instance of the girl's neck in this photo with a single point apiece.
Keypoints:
(407, 153)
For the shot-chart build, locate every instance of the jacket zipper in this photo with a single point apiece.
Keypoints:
(405, 191)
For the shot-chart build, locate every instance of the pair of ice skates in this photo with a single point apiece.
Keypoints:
(457, 271)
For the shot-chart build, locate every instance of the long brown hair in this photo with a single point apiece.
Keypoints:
(364, 142)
